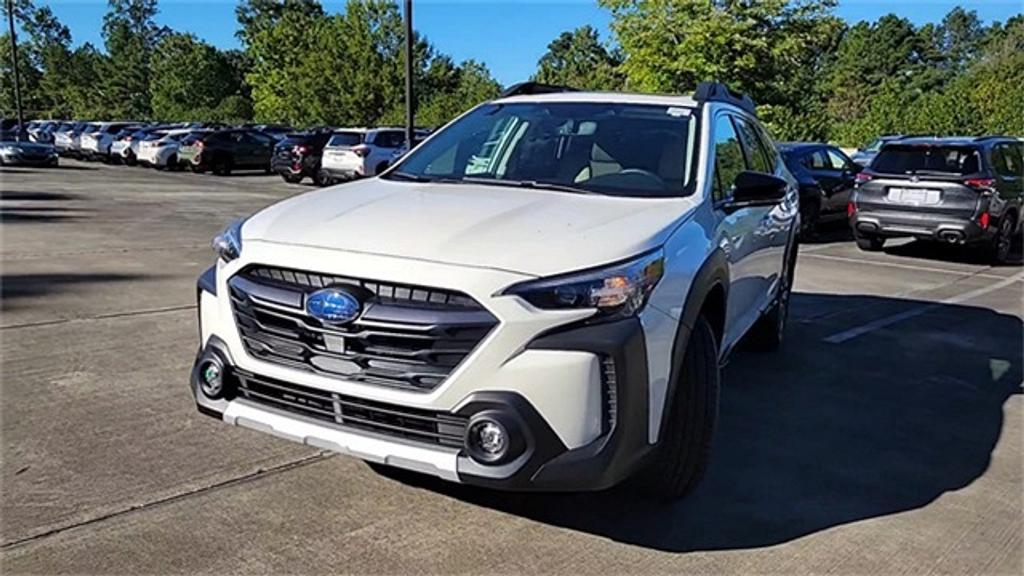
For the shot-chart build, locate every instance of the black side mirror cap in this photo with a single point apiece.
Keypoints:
(757, 189)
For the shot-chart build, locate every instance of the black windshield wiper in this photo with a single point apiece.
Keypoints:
(409, 177)
(529, 184)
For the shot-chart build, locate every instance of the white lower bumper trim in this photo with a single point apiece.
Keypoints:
(440, 461)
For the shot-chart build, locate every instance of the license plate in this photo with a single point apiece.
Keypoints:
(915, 196)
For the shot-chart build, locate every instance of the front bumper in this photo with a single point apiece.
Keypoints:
(594, 375)
(956, 229)
(19, 159)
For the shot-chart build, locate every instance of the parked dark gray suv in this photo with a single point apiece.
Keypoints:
(956, 190)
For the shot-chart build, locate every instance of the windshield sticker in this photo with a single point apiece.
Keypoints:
(677, 112)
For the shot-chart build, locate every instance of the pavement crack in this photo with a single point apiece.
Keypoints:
(258, 474)
(100, 317)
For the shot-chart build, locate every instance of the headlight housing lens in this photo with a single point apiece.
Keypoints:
(618, 290)
(228, 244)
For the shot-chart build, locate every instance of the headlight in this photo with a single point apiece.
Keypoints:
(618, 290)
(9, 149)
(228, 244)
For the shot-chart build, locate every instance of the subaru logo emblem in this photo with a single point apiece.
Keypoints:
(333, 306)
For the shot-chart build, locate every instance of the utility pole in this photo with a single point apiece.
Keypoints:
(14, 66)
(410, 117)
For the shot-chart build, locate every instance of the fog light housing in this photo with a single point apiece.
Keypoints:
(493, 438)
(211, 379)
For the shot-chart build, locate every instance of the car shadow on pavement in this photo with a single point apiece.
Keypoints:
(53, 211)
(926, 250)
(819, 434)
(15, 287)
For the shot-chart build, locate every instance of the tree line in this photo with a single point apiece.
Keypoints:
(813, 76)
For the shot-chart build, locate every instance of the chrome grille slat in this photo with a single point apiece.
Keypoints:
(378, 348)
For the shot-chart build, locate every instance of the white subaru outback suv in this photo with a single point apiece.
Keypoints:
(539, 296)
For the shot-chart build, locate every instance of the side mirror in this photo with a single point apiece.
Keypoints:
(757, 189)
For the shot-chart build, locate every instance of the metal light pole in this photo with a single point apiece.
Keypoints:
(14, 66)
(410, 117)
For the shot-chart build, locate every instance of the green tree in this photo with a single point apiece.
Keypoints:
(189, 79)
(770, 49)
(282, 40)
(474, 84)
(578, 59)
(131, 35)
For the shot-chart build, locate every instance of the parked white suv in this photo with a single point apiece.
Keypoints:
(96, 143)
(357, 152)
(160, 149)
(539, 296)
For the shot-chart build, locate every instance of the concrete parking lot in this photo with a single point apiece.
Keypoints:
(886, 437)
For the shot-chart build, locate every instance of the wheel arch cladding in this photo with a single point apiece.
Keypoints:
(709, 295)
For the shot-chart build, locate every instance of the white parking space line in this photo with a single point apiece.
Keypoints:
(902, 266)
(852, 333)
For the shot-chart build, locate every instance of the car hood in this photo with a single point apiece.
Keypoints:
(534, 232)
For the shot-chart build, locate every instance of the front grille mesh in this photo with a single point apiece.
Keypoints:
(353, 413)
(408, 337)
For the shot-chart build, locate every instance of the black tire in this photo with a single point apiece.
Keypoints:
(380, 168)
(292, 178)
(221, 167)
(172, 163)
(767, 334)
(810, 212)
(684, 451)
(129, 160)
(322, 178)
(1002, 243)
(869, 243)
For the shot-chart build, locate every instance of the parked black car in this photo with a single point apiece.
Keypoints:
(826, 177)
(226, 150)
(956, 190)
(298, 156)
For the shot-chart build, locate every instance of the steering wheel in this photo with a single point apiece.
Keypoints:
(631, 178)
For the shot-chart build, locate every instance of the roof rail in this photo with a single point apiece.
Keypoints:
(718, 92)
(528, 88)
(991, 137)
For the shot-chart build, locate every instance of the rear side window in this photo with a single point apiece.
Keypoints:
(927, 159)
(390, 139)
(1007, 160)
(346, 139)
(757, 158)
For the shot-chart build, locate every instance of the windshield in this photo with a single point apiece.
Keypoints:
(603, 148)
(926, 158)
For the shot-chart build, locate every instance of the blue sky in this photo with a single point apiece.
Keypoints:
(507, 35)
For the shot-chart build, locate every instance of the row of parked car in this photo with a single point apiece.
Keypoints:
(325, 155)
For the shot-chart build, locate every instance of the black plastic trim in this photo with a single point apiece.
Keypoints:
(718, 92)
(618, 454)
(547, 464)
(207, 281)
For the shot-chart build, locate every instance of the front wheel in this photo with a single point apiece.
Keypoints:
(684, 449)
(292, 178)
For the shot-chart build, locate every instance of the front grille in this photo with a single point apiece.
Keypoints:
(353, 413)
(409, 337)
